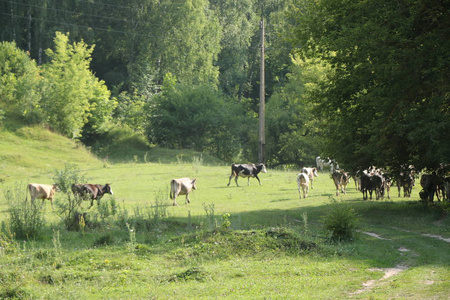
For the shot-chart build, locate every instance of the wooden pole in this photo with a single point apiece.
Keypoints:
(262, 101)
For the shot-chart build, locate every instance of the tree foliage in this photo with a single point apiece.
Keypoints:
(72, 94)
(387, 99)
(199, 118)
(19, 82)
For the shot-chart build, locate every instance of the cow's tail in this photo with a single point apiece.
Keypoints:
(172, 189)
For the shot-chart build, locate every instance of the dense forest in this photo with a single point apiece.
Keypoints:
(364, 82)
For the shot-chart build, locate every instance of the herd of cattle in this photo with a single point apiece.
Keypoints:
(369, 181)
(374, 180)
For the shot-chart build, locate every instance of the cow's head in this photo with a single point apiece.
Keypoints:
(55, 188)
(107, 189)
(193, 182)
(263, 168)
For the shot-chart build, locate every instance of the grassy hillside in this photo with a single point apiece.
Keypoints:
(33, 153)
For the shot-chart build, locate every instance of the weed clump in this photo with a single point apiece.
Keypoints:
(196, 274)
(340, 222)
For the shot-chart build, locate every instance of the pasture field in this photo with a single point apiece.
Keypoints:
(181, 257)
(247, 242)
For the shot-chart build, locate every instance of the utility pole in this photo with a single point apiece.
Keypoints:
(262, 100)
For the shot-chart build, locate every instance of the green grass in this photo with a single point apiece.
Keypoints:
(181, 257)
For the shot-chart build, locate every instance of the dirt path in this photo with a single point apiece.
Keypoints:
(389, 272)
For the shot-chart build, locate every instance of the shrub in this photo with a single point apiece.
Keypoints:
(340, 222)
(68, 209)
(24, 220)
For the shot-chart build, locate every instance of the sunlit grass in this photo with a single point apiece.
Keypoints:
(99, 262)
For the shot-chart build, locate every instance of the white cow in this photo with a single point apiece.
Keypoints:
(182, 186)
(303, 184)
(41, 191)
(311, 172)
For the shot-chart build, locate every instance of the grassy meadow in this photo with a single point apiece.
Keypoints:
(247, 242)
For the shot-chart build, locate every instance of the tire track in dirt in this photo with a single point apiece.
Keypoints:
(389, 272)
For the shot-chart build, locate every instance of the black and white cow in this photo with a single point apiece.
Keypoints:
(246, 170)
(311, 172)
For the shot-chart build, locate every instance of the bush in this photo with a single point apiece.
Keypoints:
(69, 209)
(340, 222)
(24, 220)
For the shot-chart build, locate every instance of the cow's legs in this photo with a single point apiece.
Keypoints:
(175, 200)
(187, 199)
(235, 179)
(256, 176)
(231, 176)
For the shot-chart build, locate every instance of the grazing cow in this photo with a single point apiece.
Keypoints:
(182, 186)
(246, 170)
(91, 191)
(303, 184)
(311, 172)
(41, 191)
(340, 179)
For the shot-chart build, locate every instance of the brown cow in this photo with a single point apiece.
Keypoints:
(41, 191)
(340, 179)
(91, 191)
(182, 186)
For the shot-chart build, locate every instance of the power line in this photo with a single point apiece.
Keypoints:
(65, 11)
(82, 26)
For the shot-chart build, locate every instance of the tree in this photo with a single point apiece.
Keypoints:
(387, 99)
(293, 128)
(19, 82)
(72, 95)
(199, 118)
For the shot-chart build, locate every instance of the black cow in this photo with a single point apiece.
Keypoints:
(246, 170)
(366, 185)
(91, 191)
(378, 185)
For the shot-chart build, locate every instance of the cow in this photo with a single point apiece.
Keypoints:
(405, 179)
(431, 185)
(91, 192)
(340, 179)
(303, 184)
(387, 182)
(378, 185)
(323, 164)
(246, 170)
(41, 191)
(182, 186)
(366, 185)
(447, 188)
(311, 172)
